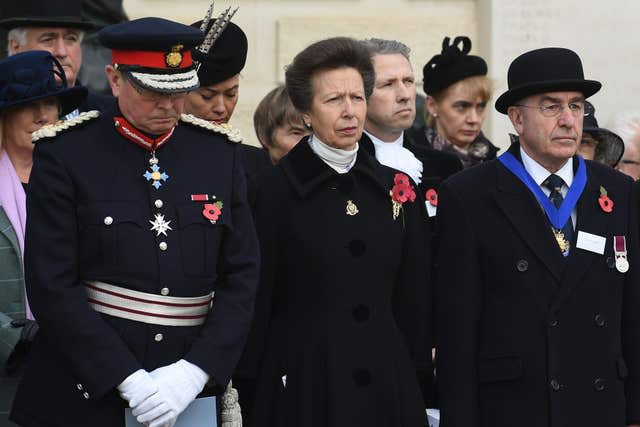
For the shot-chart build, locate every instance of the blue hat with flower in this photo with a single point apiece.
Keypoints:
(31, 76)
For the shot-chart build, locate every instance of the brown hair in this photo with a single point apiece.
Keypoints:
(273, 111)
(325, 55)
(478, 85)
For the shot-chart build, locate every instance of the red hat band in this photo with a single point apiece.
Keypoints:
(175, 59)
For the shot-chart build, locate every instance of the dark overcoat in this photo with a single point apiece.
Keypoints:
(527, 337)
(90, 210)
(340, 325)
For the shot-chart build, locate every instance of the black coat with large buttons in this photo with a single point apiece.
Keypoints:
(89, 219)
(527, 337)
(340, 325)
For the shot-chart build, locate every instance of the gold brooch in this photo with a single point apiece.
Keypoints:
(352, 209)
(173, 59)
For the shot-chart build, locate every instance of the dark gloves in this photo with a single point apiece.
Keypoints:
(19, 354)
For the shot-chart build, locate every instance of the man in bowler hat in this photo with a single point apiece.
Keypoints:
(56, 27)
(540, 326)
(141, 256)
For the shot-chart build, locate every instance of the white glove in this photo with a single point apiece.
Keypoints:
(178, 384)
(141, 392)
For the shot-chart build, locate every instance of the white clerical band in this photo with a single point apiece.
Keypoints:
(168, 82)
(148, 308)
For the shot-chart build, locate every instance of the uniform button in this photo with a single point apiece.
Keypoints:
(357, 248)
(108, 220)
(79, 386)
(86, 395)
(522, 265)
(158, 337)
(611, 263)
(164, 291)
(361, 313)
(555, 385)
(599, 320)
(158, 203)
(599, 384)
(362, 377)
(162, 246)
(553, 323)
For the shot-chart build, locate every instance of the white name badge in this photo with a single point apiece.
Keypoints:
(431, 210)
(591, 242)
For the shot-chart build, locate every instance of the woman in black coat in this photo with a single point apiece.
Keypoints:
(339, 326)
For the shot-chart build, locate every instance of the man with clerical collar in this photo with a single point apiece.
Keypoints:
(538, 283)
(58, 28)
(141, 257)
(390, 112)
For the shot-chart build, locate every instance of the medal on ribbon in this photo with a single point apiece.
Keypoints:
(620, 252)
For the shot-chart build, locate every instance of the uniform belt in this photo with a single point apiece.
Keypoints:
(148, 308)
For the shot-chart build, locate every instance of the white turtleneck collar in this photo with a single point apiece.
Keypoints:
(339, 160)
(394, 155)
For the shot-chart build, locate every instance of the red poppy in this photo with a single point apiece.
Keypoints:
(606, 204)
(402, 191)
(432, 196)
(401, 179)
(211, 211)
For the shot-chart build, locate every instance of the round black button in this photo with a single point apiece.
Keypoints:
(599, 384)
(555, 385)
(361, 313)
(611, 263)
(522, 265)
(553, 323)
(600, 320)
(362, 377)
(357, 248)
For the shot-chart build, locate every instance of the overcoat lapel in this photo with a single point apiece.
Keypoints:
(591, 219)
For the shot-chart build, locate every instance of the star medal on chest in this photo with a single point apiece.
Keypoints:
(160, 226)
(154, 174)
(212, 210)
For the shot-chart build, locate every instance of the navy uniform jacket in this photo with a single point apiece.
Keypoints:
(79, 180)
(525, 336)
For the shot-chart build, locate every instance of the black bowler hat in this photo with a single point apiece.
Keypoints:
(30, 76)
(153, 52)
(610, 147)
(225, 58)
(452, 65)
(43, 13)
(549, 69)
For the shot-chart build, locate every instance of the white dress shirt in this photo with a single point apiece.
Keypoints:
(394, 155)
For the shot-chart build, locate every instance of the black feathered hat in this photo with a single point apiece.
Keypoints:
(549, 69)
(43, 13)
(452, 65)
(610, 146)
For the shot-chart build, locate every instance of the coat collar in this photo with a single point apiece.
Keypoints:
(306, 171)
(7, 230)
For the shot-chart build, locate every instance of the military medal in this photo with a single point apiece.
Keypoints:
(620, 251)
(564, 244)
(160, 226)
(155, 175)
(352, 209)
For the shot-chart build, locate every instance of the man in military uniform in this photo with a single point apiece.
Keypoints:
(538, 287)
(141, 256)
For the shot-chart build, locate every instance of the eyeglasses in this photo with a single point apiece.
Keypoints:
(152, 96)
(554, 110)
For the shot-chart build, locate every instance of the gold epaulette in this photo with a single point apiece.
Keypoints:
(49, 131)
(225, 129)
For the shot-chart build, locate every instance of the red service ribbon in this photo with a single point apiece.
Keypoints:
(199, 197)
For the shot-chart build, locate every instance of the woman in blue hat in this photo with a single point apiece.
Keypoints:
(30, 98)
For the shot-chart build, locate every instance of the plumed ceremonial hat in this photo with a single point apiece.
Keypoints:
(43, 13)
(451, 65)
(154, 52)
(30, 76)
(550, 69)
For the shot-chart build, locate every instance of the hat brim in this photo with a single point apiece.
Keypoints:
(512, 96)
(61, 21)
(69, 99)
(610, 146)
(166, 82)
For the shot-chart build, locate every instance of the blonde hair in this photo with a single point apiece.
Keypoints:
(478, 85)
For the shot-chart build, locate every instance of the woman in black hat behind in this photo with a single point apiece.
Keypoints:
(30, 98)
(458, 91)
